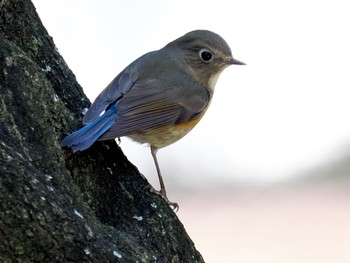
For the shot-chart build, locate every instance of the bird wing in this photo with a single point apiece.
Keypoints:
(115, 90)
(152, 104)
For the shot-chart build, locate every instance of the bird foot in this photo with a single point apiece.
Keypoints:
(162, 193)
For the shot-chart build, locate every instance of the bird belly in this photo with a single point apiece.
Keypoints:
(165, 135)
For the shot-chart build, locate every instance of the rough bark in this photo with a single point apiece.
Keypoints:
(57, 206)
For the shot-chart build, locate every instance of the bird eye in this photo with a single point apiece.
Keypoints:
(205, 55)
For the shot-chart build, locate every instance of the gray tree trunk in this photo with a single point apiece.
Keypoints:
(56, 206)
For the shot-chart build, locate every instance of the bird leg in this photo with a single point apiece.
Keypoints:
(162, 191)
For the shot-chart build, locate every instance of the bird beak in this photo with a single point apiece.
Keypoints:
(233, 61)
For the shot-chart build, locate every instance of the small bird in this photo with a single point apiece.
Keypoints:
(159, 97)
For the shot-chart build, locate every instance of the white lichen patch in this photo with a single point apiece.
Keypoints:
(85, 110)
(47, 69)
(48, 177)
(117, 254)
(9, 61)
(78, 214)
(138, 218)
(55, 98)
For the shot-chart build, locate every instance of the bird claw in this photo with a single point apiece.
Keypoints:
(162, 194)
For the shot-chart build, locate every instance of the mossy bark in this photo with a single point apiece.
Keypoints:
(56, 206)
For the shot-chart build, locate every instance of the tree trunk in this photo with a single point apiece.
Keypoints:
(56, 206)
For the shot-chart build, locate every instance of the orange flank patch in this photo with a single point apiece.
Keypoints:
(190, 124)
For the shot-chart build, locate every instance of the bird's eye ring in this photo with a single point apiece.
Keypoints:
(205, 55)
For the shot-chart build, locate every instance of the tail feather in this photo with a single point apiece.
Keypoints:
(86, 136)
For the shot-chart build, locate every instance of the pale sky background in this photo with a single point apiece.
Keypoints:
(286, 111)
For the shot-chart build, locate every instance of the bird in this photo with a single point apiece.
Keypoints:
(159, 97)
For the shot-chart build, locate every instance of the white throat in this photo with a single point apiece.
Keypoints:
(212, 81)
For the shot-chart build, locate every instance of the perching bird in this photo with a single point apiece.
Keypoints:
(159, 97)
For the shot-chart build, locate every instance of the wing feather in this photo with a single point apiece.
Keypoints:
(115, 90)
(151, 106)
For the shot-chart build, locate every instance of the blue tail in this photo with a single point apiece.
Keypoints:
(86, 136)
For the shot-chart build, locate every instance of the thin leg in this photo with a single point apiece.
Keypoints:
(162, 191)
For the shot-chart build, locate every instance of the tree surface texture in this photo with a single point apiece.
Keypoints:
(56, 206)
